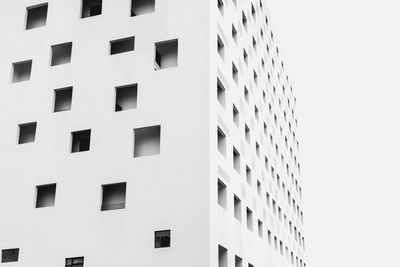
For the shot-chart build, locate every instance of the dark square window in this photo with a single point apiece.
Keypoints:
(22, 71)
(162, 239)
(113, 196)
(80, 141)
(45, 195)
(126, 97)
(62, 99)
(27, 133)
(91, 8)
(36, 16)
(61, 54)
(9, 255)
(74, 262)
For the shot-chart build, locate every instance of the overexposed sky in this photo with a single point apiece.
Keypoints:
(343, 58)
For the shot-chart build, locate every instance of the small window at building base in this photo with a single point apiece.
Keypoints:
(114, 196)
(166, 54)
(80, 141)
(140, 7)
(22, 71)
(74, 262)
(9, 255)
(45, 195)
(147, 141)
(36, 16)
(125, 97)
(27, 133)
(91, 8)
(162, 239)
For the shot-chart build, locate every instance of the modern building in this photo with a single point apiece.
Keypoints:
(146, 133)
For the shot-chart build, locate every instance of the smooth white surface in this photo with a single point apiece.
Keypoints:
(343, 58)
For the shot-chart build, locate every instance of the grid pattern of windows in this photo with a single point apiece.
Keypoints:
(263, 133)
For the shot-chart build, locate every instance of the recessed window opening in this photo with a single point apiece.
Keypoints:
(222, 194)
(244, 20)
(260, 228)
(62, 99)
(236, 160)
(235, 114)
(162, 239)
(247, 133)
(245, 57)
(246, 94)
(22, 71)
(45, 195)
(61, 54)
(238, 261)
(122, 45)
(113, 196)
(221, 93)
(234, 33)
(249, 216)
(80, 141)
(235, 74)
(166, 54)
(27, 133)
(36, 16)
(220, 47)
(259, 188)
(91, 8)
(147, 141)
(9, 255)
(248, 175)
(74, 262)
(222, 256)
(221, 141)
(125, 97)
(237, 208)
(221, 6)
(141, 7)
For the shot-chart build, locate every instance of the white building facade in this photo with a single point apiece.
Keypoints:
(146, 133)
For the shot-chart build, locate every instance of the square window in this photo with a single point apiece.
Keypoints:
(221, 194)
(80, 141)
(61, 54)
(162, 239)
(166, 54)
(234, 33)
(249, 216)
(22, 71)
(125, 97)
(236, 160)
(220, 47)
(114, 196)
(237, 208)
(140, 7)
(74, 262)
(235, 114)
(221, 93)
(27, 133)
(221, 141)
(36, 16)
(62, 99)
(9, 255)
(235, 75)
(222, 256)
(122, 45)
(238, 261)
(147, 141)
(91, 8)
(45, 195)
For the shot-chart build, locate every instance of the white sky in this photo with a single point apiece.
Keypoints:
(343, 59)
